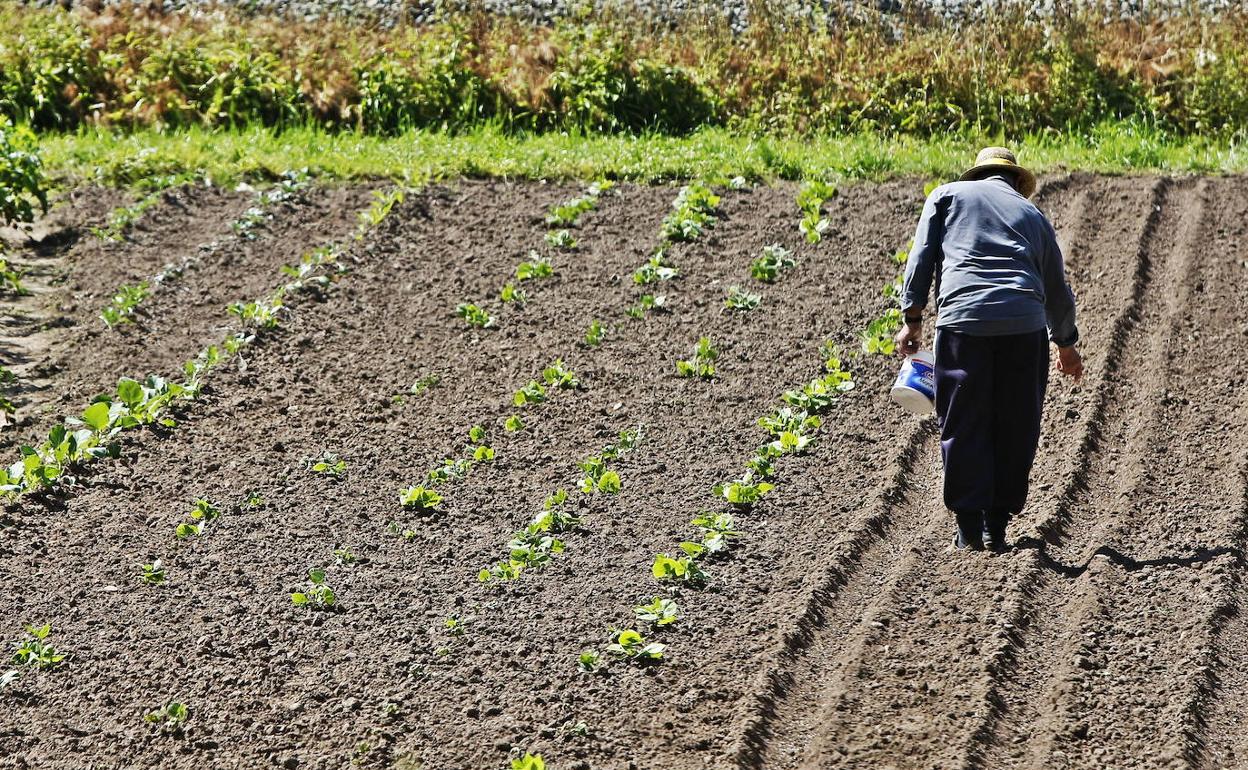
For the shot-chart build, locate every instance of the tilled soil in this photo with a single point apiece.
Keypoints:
(839, 632)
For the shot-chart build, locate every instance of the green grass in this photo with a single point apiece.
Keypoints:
(227, 157)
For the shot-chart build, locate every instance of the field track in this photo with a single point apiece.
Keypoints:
(840, 632)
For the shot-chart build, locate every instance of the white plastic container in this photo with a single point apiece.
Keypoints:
(915, 388)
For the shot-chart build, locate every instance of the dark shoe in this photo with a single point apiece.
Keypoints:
(995, 541)
(962, 543)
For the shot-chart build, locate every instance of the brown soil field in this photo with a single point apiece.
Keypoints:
(838, 631)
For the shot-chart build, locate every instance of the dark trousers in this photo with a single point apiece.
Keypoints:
(989, 395)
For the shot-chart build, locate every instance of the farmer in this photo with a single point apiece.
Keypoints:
(1000, 283)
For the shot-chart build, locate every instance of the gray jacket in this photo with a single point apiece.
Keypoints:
(996, 262)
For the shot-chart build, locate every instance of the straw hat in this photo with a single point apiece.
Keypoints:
(994, 160)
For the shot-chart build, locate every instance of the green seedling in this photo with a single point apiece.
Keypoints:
(475, 316)
(659, 612)
(655, 269)
(528, 762)
(739, 299)
(329, 465)
(632, 646)
(420, 499)
(718, 530)
(595, 470)
(561, 239)
(245, 226)
(596, 334)
(818, 395)
(682, 569)
(743, 492)
(774, 260)
(537, 266)
(35, 652)
(399, 531)
(343, 557)
(566, 214)
(761, 465)
(451, 469)
(514, 423)
(428, 382)
(378, 210)
(702, 364)
(483, 454)
(787, 419)
(645, 303)
(626, 442)
(513, 295)
(589, 661)
(455, 626)
(810, 200)
(170, 715)
(125, 304)
(203, 513)
(11, 278)
(559, 376)
(261, 314)
(693, 212)
(253, 499)
(533, 393)
(152, 574)
(877, 338)
(318, 595)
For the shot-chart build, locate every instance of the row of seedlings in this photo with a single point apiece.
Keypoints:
(694, 211)
(533, 546)
(791, 430)
(537, 267)
(137, 403)
(126, 301)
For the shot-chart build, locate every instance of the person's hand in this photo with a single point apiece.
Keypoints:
(908, 339)
(1070, 363)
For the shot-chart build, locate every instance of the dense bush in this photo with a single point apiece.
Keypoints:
(613, 73)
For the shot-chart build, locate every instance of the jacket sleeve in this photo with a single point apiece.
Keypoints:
(1059, 300)
(925, 254)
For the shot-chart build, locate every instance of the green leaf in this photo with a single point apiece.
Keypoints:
(96, 416)
(130, 392)
(299, 598)
(316, 576)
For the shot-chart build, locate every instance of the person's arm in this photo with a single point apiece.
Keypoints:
(1059, 307)
(920, 268)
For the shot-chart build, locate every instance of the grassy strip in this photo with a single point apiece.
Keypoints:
(226, 157)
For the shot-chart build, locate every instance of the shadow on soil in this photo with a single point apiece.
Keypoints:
(1121, 559)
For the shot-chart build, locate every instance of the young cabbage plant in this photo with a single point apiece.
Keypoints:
(561, 239)
(420, 499)
(739, 299)
(528, 762)
(329, 465)
(35, 652)
(655, 269)
(203, 513)
(877, 338)
(152, 574)
(693, 212)
(596, 333)
(810, 200)
(818, 395)
(514, 423)
(646, 303)
(589, 662)
(318, 595)
(681, 569)
(743, 492)
(171, 715)
(475, 316)
(632, 646)
(528, 395)
(559, 376)
(718, 531)
(775, 259)
(537, 266)
(125, 304)
(659, 612)
(702, 364)
(513, 295)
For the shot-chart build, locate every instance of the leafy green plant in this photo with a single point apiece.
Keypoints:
(702, 363)
(318, 595)
(328, 465)
(308, 275)
(810, 200)
(561, 239)
(645, 303)
(655, 269)
(383, 203)
(877, 338)
(559, 376)
(514, 423)
(533, 393)
(203, 513)
(11, 278)
(125, 304)
(528, 762)
(455, 625)
(475, 316)
(693, 212)
(537, 266)
(597, 477)
(632, 646)
(420, 499)
(567, 214)
(589, 661)
(774, 260)
(245, 226)
(718, 530)
(170, 715)
(261, 314)
(22, 182)
(743, 492)
(681, 568)
(595, 334)
(513, 295)
(35, 652)
(343, 557)
(739, 299)
(818, 395)
(659, 612)
(152, 574)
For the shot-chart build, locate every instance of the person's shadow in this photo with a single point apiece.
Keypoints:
(1121, 559)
